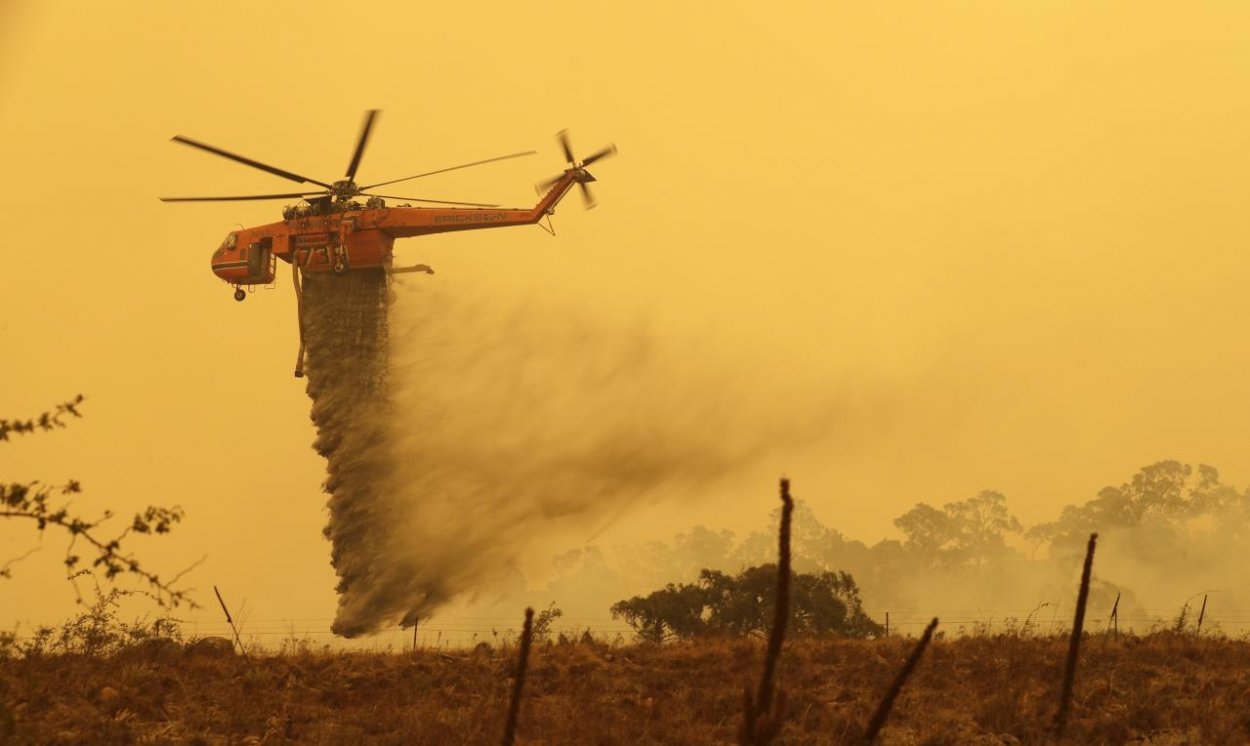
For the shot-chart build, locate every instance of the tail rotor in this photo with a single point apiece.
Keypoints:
(584, 177)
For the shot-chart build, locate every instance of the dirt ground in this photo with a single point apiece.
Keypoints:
(1160, 689)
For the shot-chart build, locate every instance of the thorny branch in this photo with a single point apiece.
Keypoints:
(47, 505)
(50, 505)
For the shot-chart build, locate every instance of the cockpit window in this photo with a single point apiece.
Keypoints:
(230, 241)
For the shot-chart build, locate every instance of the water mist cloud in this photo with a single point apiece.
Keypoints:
(509, 420)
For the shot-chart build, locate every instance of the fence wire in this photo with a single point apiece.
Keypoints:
(462, 632)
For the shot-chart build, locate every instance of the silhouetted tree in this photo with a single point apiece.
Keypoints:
(970, 531)
(928, 531)
(1161, 500)
(815, 546)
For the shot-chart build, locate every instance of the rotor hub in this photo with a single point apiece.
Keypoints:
(577, 167)
(344, 189)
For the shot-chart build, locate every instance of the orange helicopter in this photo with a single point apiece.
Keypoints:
(333, 232)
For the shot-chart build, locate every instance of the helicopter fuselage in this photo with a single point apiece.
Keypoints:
(339, 238)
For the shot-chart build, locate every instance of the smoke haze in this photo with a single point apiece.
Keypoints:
(1168, 536)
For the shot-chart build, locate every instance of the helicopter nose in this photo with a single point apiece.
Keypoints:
(218, 268)
(229, 265)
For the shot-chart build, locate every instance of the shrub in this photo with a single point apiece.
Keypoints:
(96, 631)
(821, 604)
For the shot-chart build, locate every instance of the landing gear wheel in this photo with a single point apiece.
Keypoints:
(340, 268)
(240, 295)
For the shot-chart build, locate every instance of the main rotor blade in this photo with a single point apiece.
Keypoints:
(360, 145)
(453, 168)
(563, 137)
(586, 197)
(247, 161)
(238, 199)
(435, 201)
(610, 150)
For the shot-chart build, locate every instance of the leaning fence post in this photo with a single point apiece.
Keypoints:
(523, 656)
(1074, 647)
(1115, 616)
(887, 702)
(1202, 614)
(230, 621)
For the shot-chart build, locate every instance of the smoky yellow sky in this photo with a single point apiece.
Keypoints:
(1007, 238)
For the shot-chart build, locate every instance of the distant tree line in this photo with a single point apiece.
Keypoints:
(1169, 520)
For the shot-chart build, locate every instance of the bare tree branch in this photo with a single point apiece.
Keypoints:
(5, 572)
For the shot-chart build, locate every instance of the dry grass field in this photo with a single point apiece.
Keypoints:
(1160, 689)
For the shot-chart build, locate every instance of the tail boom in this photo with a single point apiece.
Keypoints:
(405, 222)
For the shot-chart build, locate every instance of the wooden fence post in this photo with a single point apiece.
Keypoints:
(887, 702)
(762, 716)
(230, 621)
(523, 656)
(1074, 647)
(1115, 616)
